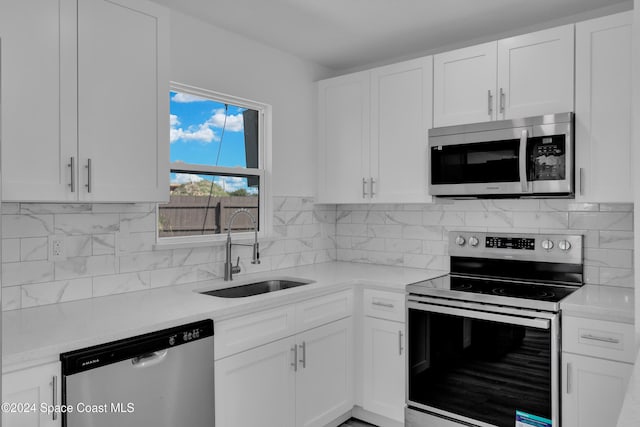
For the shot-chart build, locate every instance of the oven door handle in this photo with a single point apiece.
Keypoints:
(481, 315)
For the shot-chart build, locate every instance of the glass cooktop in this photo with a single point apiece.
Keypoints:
(540, 292)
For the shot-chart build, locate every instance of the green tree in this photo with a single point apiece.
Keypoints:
(200, 188)
(239, 192)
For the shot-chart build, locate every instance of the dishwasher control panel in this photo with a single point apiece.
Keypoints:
(136, 347)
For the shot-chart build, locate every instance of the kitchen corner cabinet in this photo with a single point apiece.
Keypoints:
(373, 134)
(597, 361)
(520, 76)
(603, 109)
(34, 386)
(93, 77)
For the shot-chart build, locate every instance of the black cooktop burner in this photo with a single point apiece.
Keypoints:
(541, 292)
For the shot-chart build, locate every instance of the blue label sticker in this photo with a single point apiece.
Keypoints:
(528, 420)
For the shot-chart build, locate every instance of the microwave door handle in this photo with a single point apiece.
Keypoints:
(523, 160)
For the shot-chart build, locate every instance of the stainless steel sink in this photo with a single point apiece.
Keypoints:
(256, 288)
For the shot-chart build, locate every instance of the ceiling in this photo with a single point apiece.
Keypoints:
(348, 34)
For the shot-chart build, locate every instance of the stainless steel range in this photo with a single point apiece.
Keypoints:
(484, 340)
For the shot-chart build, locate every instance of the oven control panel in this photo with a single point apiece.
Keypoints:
(528, 247)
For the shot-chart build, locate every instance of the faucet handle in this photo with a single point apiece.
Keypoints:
(235, 269)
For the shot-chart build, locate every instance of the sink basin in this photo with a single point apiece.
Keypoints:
(256, 288)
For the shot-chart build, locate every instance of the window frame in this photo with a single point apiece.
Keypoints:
(263, 172)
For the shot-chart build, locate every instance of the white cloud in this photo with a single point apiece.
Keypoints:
(186, 98)
(233, 183)
(203, 133)
(235, 122)
(174, 120)
(184, 178)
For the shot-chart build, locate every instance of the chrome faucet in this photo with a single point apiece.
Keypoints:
(229, 268)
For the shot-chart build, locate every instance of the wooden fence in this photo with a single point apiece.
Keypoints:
(189, 215)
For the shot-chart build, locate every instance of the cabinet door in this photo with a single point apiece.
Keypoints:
(343, 139)
(123, 101)
(38, 75)
(401, 99)
(33, 386)
(257, 387)
(593, 390)
(535, 73)
(464, 85)
(603, 109)
(384, 373)
(324, 384)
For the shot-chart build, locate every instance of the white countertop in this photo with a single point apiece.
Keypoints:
(38, 335)
(611, 303)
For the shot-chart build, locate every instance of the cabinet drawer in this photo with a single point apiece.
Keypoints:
(322, 310)
(242, 333)
(598, 338)
(384, 305)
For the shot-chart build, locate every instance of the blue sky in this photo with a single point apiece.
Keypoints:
(196, 136)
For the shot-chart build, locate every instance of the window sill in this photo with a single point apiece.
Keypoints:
(218, 241)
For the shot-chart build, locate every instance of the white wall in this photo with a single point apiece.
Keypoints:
(211, 58)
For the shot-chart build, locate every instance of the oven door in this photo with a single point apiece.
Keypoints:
(480, 367)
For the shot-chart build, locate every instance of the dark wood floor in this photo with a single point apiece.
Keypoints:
(356, 423)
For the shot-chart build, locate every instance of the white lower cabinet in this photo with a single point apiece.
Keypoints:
(384, 373)
(597, 360)
(257, 387)
(302, 380)
(594, 390)
(25, 391)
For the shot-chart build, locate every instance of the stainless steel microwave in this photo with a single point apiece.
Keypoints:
(529, 157)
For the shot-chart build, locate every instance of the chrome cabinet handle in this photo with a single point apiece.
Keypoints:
(568, 378)
(303, 347)
(501, 101)
(582, 181)
(72, 165)
(600, 338)
(489, 102)
(371, 182)
(523, 160)
(364, 188)
(294, 364)
(400, 347)
(88, 184)
(54, 400)
(382, 304)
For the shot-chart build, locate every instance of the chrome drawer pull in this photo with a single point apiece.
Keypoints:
(602, 339)
(383, 304)
(400, 347)
(54, 384)
(294, 364)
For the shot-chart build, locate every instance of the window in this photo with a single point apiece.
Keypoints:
(217, 156)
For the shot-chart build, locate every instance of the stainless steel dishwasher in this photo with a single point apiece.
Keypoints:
(160, 379)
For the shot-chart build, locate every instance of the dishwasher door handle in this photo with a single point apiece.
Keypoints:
(149, 359)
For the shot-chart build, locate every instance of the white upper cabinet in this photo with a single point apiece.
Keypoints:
(603, 109)
(85, 101)
(464, 88)
(520, 76)
(343, 131)
(535, 73)
(123, 101)
(400, 118)
(38, 87)
(373, 134)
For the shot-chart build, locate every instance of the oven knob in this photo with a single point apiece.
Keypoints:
(460, 241)
(473, 241)
(547, 245)
(564, 245)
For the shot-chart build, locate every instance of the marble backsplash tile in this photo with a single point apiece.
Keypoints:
(111, 248)
(416, 235)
